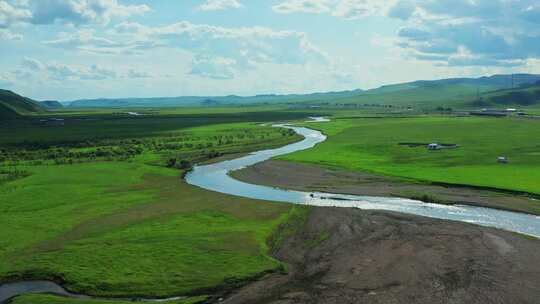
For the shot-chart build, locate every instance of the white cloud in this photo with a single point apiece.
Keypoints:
(495, 32)
(470, 33)
(75, 12)
(5, 80)
(61, 71)
(213, 67)
(32, 64)
(219, 5)
(355, 9)
(83, 37)
(82, 11)
(303, 6)
(346, 9)
(8, 35)
(217, 51)
(133, 74)
(10, 14)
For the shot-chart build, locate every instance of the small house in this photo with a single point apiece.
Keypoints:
(502, 160)
(434, 146)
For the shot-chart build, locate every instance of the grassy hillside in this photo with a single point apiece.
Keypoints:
(528, 95)
(51, 104)
(13, 105)
(207, 101)
(454, 92)
(432, 96)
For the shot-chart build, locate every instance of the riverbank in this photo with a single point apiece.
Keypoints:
(306, 177)
(376, 146)
(342, 255)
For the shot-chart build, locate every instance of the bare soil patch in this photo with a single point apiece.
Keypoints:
(384, 257)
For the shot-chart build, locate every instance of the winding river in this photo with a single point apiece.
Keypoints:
(215, 177)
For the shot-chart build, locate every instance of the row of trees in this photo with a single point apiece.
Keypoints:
(11, 171)
(125, 149)
(65, 153)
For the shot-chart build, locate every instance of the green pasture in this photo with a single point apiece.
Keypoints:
(94, 127)
(133, 227)
(373, 145)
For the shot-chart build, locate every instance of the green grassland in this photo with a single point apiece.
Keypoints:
(103, 215)
(92, 127)
(119, 112)
(372, 145)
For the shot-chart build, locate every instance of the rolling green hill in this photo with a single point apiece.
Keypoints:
(51, 104)
(208, 101)
(454, 92)
(424, 94)
(528, 95)
(13, 105)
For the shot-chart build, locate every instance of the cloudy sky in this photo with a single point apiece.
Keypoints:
(70, 49)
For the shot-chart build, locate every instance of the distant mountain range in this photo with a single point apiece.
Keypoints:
(51, 104)
(207, 100)
(492, 91)
(453, 92)
(450, 92)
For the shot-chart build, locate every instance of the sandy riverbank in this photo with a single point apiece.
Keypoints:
(305, 177)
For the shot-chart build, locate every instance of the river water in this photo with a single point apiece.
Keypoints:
(215, 177)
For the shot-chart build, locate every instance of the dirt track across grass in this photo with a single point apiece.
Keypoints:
(305, 177)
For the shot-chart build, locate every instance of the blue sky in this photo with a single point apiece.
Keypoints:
(71, 49)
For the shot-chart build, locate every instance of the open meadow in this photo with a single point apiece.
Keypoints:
(107, 213)
(398, 147)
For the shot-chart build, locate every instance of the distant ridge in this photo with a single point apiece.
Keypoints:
(206, 100)
(13, 105)
(51, 104)
(517, 89)
(495, 81)
(424, 93)
(430, 94)
(525, 95)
